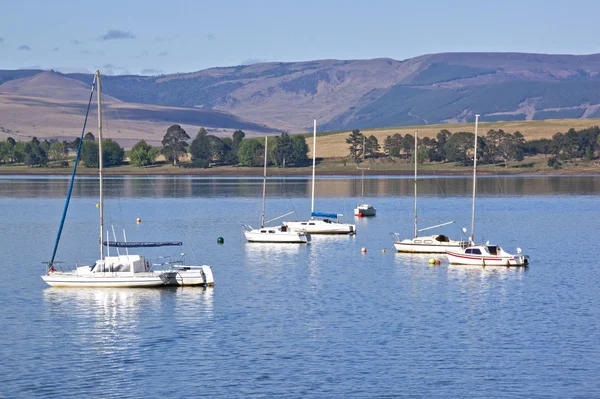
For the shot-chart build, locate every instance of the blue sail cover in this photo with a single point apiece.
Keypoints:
(324, 215)
(122, 244)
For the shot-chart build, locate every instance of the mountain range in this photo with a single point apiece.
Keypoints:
(341, 95)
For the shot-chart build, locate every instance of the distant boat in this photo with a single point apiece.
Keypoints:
(363, 209)
(122, 270)
(320, 222)
(276, 234)
(437, 243)
(483, 255)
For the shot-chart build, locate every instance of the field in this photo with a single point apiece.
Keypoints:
(333, 144)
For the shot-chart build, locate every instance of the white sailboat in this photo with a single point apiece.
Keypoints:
(275, 234)
(363, 209)
(109, 271)
(486, 254)
(320, 222)
(437, 243)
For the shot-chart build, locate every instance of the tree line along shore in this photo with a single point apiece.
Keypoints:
(448, 153)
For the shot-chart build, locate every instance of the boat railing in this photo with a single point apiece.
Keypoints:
(396, 236)
(247, 227)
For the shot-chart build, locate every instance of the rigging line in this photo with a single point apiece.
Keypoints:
(507, 214)
(173, 179)
(64, 215)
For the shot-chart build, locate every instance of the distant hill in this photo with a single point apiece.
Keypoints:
(430, 89)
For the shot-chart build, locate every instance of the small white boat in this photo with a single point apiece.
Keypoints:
(483, 255)
(185, 275)
(363, 209)
(434, 244)
(321, 226)
(276, 234)
(486, 255)
(319, 222)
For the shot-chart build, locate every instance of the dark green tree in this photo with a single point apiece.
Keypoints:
(299, 155)
(174, 143)
(282, 150)
(143, 154)
(200, 147)
(355, 139)
(89, 137)
(251, 153)
(372, 147)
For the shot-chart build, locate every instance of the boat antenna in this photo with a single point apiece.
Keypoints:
(100, 162)
(262, 215)
(474, 182)
(312, 201)
(415, 156)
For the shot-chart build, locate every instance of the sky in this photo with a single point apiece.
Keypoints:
(154, 37)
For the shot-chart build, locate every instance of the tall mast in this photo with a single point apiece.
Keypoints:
(415, 156)
(262, 215)
(312, 201)
(100, 162)
(362, 187)
(474, 182)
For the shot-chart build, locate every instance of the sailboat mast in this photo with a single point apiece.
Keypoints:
(312, 201)
(474, 182)
(100, 162)
(262, 215)
(415, 156)
(362, 187)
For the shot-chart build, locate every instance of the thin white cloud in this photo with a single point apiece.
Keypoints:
(110, 69)
(252, 61)
(115, 34)
(72, 70)
(151, 71)
(24, 47)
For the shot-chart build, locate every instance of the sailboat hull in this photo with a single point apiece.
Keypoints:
(485, 255)
(427, 245)
(110, 280)
(290, 237)
(317, 226)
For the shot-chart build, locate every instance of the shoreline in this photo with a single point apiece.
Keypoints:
(245, 171)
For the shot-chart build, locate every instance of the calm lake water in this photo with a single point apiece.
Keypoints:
(322, 320)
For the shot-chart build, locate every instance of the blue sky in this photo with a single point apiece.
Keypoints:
(152, 37)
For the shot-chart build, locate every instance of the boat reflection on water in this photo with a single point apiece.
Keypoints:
(476, 270)
(124, 309)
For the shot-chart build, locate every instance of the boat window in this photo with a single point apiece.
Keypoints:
(476, 251)
(442, 238)
(263, 231)
(311, 224)
(418, 241)
(428, 242)
(468, 251)
(272, 231)
(303, 223)
(493, 250)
